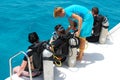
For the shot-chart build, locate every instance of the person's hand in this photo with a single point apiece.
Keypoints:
(77, 34)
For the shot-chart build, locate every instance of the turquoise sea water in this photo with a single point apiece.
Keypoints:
(20, 17)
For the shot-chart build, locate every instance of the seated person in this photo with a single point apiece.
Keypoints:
(58, 42)
(97, 26)
(59, 31)
(36, 67)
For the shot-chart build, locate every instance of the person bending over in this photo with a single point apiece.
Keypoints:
(85, 22)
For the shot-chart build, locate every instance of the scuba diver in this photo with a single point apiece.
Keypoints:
(59, 43)
(65, 45)
(40, 59)
(35, 61)
(100, 27)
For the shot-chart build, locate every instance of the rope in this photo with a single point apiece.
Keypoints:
(57, 61)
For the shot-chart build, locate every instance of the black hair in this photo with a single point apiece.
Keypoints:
(95, 10)
(33, 37)
(60, 28)
(57, 27)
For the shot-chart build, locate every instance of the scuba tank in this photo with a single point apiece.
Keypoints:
(104, 31)
(72, 52)
(48, 68)
(73, 46)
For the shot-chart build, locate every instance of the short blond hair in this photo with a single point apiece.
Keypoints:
(57, 11)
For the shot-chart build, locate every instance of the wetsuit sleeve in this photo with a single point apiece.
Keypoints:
(29, 53)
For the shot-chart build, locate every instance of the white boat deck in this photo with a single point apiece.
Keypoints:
(100, 62)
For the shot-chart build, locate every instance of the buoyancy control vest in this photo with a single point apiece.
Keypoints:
(97, 25)
(36, 58)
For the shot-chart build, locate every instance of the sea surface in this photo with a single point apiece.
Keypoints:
(20, 17)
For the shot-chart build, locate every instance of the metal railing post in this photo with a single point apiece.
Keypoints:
(10, 64)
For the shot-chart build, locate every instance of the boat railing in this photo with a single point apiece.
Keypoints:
(10, 64)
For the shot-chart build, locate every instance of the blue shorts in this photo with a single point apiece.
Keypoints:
(87, 25)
